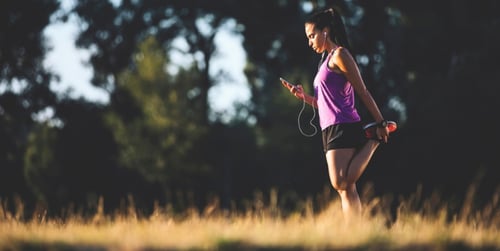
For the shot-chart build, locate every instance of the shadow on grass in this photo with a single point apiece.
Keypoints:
(242, 246)
(458, 246)
(52, 247)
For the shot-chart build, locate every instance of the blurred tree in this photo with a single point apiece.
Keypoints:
(155, 120)
(39, 161)
(71, 160)
(449, 56)
(114, 34)
(24, 83)
(426, 63)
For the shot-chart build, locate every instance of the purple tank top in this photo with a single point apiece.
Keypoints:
(335, 96)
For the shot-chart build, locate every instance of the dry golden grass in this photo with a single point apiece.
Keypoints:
(263, 227)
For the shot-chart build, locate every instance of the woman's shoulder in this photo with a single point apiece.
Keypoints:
(342, 53)
(342, 58)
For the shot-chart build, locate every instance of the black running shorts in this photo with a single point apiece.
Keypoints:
(346, 135)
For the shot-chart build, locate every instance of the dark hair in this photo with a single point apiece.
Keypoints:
(332, 19)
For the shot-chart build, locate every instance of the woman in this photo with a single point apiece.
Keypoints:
(348, 148)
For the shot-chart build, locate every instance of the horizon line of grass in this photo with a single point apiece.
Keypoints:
(417, 222)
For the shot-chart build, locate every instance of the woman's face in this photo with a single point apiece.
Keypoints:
(315, 38)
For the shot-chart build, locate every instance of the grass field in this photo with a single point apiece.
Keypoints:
(415, 224)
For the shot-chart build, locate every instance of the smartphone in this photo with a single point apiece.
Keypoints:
(290, 85)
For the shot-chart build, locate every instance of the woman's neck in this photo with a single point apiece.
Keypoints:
(331, 47)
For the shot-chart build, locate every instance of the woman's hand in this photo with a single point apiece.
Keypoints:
(297, 91)
(383, 133)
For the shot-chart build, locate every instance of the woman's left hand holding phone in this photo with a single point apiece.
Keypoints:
(296, 90)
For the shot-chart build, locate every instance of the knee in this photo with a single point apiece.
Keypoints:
(340, 184)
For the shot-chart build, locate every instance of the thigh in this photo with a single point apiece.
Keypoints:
(338, 160)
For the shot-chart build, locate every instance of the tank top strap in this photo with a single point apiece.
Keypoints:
(331, 54)
(333, 51)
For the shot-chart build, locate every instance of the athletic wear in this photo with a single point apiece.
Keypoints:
(345, 135)
(335, 97)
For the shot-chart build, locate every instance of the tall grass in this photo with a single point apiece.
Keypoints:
(416, 224)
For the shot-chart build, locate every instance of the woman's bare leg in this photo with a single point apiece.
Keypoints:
(345, 166)
(360, 161)
(338, 160)
(351, 203)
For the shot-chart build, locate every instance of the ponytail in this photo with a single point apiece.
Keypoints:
(331, 19)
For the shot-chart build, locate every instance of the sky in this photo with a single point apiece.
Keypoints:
(69, 63)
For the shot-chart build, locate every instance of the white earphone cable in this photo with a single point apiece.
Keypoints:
(304, 103)
(310, 122)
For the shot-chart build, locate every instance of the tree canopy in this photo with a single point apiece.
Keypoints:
(431, 66)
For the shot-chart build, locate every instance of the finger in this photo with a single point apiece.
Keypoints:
(285, 84)
(381, 137)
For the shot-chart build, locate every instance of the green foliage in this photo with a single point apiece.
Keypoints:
(72, 162)
(158, 138)
(24, 83)
(429, 65)
(39, 159)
